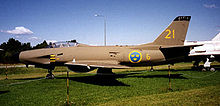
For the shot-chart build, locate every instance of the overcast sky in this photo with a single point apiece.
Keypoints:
(128, 21)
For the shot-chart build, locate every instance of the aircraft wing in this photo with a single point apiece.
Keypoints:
(98, 64)
(205, 53)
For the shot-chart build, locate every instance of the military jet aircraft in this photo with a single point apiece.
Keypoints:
(206, 51)
(168, 48)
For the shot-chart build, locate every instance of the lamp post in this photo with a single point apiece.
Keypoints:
(98, 15)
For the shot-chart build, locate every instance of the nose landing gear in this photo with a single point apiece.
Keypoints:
(50, 74)
(51, 67)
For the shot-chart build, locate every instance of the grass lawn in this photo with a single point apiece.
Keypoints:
(135, 86)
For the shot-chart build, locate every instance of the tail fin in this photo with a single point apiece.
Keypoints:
(217, 37)
(175, 33)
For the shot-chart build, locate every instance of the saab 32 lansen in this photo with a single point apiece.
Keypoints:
(168, 48)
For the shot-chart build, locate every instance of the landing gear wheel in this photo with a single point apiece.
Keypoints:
(196, 65)
(151, 69)
(203, 69)
(212, 69)
(50, 76)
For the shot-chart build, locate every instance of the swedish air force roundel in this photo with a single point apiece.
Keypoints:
(135, 56)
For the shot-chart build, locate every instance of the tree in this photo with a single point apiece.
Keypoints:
(26, 46)
(41, 45)
(11, 50)
(13, 47)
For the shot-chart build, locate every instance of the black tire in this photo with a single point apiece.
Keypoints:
(50, 76)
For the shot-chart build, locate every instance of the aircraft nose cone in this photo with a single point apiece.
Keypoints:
(26, 56)
(22, 57)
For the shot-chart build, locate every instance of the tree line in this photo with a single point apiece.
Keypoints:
(10, 50)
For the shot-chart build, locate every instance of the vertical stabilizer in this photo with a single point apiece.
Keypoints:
(216, 38)
(175, 33)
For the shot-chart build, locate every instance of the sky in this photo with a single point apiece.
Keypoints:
(128, 22)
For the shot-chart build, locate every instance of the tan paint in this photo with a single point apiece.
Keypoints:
(116, 54)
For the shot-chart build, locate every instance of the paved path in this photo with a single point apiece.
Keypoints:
(16, 83)
(12, 66)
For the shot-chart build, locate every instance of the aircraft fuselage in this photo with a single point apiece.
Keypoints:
(123, 55)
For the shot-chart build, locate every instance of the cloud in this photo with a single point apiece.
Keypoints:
(210, 6)
(18, 31)
(17, 36)
(34, 38)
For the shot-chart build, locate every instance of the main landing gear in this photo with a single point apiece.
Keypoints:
(207, 64)
(151, 68)
(212, 69)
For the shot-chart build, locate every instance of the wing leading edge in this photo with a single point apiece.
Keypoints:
(97, 64)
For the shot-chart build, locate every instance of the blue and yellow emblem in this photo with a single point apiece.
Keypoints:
(135, 56)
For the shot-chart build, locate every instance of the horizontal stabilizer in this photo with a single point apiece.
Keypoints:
(175, 52)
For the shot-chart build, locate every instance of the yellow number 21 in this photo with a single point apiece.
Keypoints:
(170, 34)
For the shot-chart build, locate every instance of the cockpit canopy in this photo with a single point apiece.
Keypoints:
(62, 44)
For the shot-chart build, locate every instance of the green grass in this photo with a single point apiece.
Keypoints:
(203, 96)
(24, 70)
(129, 87)
(31, 72)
